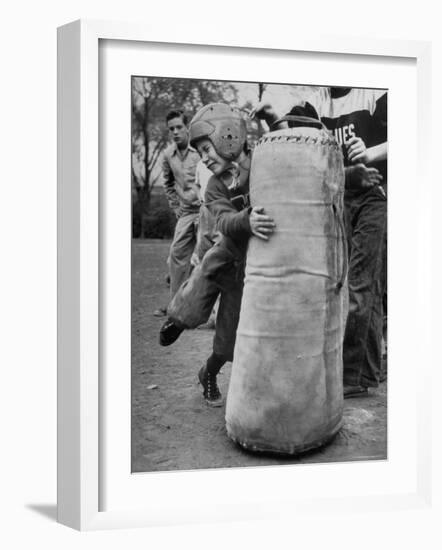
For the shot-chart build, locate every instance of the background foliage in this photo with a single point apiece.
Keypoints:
(152, 99)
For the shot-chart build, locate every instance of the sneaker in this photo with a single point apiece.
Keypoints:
(169, 333)
(355, 391)
(211, 392)
(160, 312)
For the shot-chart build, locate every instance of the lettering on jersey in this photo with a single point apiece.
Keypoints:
(344, 134)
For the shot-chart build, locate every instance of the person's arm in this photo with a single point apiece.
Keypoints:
(169, 185)
(265, 111)
(356, 149)
(228, 220)
(358, 152)
(234, 224)
(377, 153)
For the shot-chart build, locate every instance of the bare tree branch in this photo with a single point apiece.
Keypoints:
(156, 153)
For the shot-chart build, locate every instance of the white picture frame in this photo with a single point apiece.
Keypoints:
(79, 294)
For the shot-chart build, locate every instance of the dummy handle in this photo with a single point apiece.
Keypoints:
(302, 121)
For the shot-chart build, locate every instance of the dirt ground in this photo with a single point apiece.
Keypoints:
(174, 429)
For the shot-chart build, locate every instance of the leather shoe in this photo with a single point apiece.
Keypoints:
(169, 333)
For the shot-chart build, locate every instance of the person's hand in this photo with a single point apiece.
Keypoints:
(264, 111)
(360, 177)
(262, 226)
(356, 150)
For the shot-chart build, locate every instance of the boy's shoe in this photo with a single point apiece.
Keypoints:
(211, 392)
(169, 333)
(355, 391)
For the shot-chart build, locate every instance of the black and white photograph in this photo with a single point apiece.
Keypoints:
(200, 345)
(258, 274)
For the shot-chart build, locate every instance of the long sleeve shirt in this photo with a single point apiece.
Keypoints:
(231, 213)
(179, 179)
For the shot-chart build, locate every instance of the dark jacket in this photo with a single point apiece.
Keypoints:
(230, 210)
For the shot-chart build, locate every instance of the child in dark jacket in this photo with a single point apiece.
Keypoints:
(218, 133)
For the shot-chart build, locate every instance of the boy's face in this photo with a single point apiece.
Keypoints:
(178, 131)
(210, 157)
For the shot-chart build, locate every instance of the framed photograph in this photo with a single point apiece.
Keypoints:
(174, 225)
(139, 441)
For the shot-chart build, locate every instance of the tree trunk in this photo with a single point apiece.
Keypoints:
(146, 142)
(144, 192)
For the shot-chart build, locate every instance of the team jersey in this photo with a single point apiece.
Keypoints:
(360, 112)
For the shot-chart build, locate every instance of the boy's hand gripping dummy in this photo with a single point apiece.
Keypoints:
(285, 392)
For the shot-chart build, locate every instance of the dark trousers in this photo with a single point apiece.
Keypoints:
(216, 275)
(366, 224)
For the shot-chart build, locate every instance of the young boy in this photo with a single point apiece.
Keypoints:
(218, 132)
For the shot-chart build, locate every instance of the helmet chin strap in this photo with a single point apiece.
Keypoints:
(230, 177)
(235, 176)
(239, 173)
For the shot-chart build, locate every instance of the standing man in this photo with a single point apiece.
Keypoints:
(358, 119)
(179, 166)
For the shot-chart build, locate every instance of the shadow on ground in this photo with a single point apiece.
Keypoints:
(48, 511)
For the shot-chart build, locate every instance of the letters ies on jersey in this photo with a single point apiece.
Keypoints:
(354, 112)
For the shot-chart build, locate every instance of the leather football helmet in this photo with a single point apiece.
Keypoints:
(223, 126)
